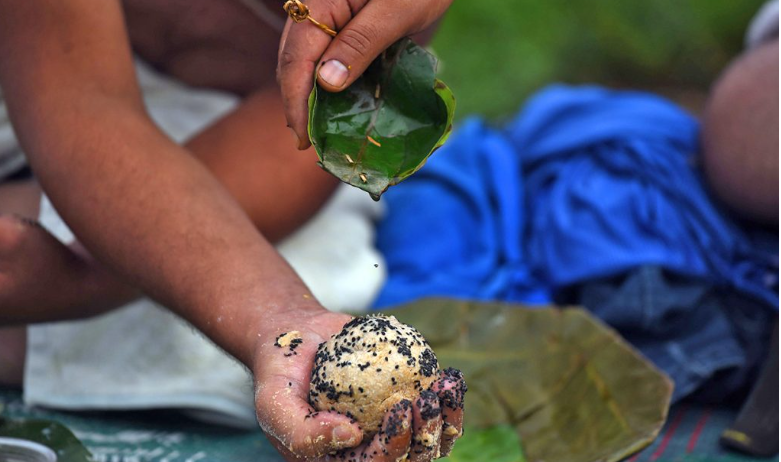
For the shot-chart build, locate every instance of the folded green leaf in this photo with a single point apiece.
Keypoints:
(383, 127)
(572, 387)
(51, 434)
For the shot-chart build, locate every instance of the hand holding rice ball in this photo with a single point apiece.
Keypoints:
(374, 370)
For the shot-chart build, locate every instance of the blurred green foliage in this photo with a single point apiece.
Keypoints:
(494, 54)
(494, 444)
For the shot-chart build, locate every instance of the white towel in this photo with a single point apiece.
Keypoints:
(141, 356)
(764, 25)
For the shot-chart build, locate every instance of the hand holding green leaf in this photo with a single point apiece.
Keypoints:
(383, 127)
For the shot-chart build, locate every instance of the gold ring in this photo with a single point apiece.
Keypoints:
(299, 12)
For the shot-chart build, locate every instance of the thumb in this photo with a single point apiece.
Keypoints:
(376, 27)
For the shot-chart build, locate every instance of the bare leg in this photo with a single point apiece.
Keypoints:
(13, 348)
(740, 135)
(17, 198)
(41, 278)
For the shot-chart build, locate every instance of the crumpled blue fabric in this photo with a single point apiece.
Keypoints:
(454, 228)
(585, 183)
(612, 183)
(698, 333)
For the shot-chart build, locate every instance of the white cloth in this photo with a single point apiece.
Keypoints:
(764, 26)
(141, 356)
(11, 157)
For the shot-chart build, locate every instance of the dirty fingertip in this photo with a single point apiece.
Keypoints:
(396, 433)
(345, 436)
(426, 428)
(451, 388)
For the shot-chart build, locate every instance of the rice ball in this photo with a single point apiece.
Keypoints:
(372, 364)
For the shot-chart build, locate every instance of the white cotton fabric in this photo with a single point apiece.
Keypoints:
(764, 26)
(11, 157)
(142, 356)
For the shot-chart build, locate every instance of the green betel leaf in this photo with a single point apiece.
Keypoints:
(51, 434)
(382, 128)
(573, 389)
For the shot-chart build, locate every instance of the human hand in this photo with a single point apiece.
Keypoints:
(424, 429)
(366, 28)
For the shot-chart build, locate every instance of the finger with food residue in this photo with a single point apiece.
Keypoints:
(426, 427)
(391, 444)
(287, 419)
(451, 389)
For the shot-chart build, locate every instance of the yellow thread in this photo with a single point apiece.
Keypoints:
(299, 12)
(377, 92)
(363, 177)
(737, 436)
(373, 141)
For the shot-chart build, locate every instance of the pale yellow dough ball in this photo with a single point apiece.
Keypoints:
(372, 364)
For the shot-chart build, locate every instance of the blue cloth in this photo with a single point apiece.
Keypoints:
(694, 331)
(454, 228)
(584, 184)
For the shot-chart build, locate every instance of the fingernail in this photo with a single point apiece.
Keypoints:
(344, 435)
(333, 73)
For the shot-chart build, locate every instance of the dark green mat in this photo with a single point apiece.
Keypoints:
(151, 436)
(691, 435)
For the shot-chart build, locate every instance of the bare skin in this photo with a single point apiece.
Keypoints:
(740, 135)
(212, 43)
(77, 111)
(78, 286)
(81, 287)
(42, 277)
(21, 199)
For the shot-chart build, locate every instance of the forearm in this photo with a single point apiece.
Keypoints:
(138, 202)
(144, 206)
(250, 153)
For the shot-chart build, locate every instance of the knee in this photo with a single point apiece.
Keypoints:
(740, 135)
(12, 233)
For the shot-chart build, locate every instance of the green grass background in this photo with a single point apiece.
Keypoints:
(493, 54)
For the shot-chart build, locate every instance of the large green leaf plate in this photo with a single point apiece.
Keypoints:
(573, 389)
(382, 128)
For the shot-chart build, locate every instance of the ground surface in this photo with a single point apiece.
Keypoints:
(691, 435)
